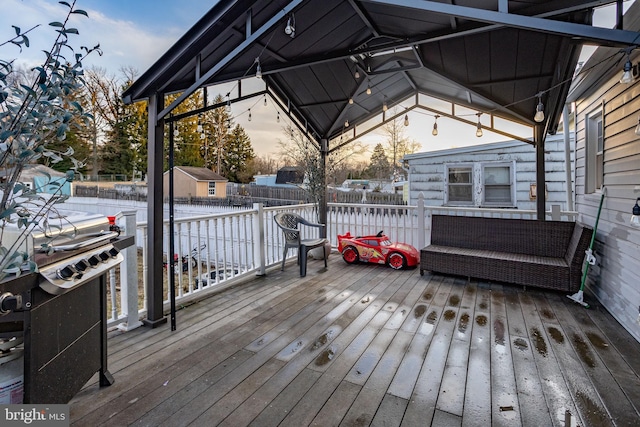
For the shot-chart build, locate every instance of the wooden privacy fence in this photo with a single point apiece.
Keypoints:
(245, 195)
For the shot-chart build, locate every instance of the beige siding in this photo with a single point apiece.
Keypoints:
(615, 280)
(186, 186)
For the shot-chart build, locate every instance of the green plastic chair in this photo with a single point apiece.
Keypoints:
(289, 223)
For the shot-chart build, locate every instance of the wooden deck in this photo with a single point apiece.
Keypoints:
(360, 345)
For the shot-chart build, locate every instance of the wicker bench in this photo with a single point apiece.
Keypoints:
(546, 254)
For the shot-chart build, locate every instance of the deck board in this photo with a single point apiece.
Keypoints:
(359, 345)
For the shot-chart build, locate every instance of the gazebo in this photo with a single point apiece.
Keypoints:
(334, 65)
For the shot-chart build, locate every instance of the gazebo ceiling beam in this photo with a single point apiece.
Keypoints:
(602, 36)
(255, 36)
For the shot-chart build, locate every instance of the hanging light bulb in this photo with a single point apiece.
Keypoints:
(346, 123)
(627, 75)
(202, 135)
(635, 214)
(290, 29)
(637, 131)
(385, 107)
(356, 74)
(249, 114)
(539, 116)
(479, 127)
(368, 87)
(265, 99)
(199, 127)
(350, 101)
(406, 120)
(434, 132)
(176, 132)
(258, 69)
(228, 107)
(278, 117)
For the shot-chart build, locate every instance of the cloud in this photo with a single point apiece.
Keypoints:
(123, 42)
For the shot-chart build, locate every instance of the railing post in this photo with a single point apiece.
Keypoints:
(129, 275)
(258, 233)
(421, 221)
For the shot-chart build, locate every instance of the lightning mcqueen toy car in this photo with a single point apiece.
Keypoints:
(377, 249)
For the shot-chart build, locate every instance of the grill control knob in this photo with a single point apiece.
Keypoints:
(81, 265)
(104, 256)
(66, 273)
(113, 252)
(93, 260)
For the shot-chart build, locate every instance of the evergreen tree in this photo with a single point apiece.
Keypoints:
(116, 154)
(379, 167)
(217, 125)
(238, 154)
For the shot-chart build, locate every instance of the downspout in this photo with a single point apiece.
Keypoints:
(567, 155)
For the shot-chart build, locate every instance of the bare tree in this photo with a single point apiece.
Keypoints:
(299, 150)
(398, 144)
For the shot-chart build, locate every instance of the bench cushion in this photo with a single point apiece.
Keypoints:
(547, 254)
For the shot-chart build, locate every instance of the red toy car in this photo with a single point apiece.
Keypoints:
(377, 249)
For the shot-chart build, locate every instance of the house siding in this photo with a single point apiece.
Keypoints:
(184, 185)
(615, 279)
(427, 170)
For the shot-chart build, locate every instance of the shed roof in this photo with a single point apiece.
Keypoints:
(493, 56)
(290, 175)
(200, 174)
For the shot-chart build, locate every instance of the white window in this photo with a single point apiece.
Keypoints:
(459, 185)
(212, 188)
(490, 184)
(594, 174)
(498, 179)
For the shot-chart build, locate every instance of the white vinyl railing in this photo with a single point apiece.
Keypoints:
(217, 250)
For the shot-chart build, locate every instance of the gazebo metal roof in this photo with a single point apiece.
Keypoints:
(495, 57)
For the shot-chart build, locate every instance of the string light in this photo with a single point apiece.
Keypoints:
(368, 87)
(539, 116)
(265, 99)
(385, 107)
(278, 117)
(406, 120)
(479, 127)
(637, 131)
(434, 132)
(228, 103)
(290, 29)
(627, 75)
(356, 74)
(249, 114)
(258, 69)
(199, 127)
(346, 123)
(350, 101)
(202, 135)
